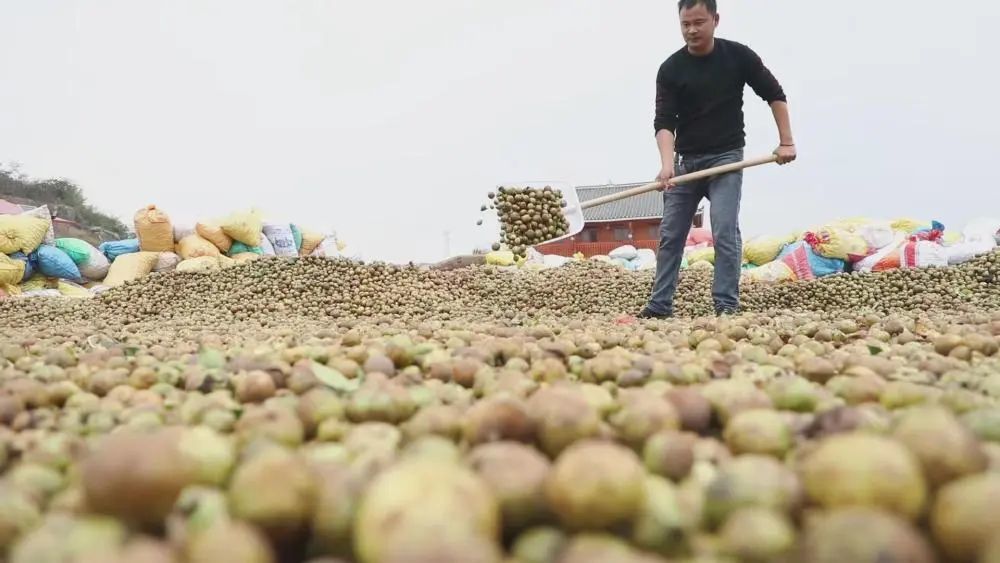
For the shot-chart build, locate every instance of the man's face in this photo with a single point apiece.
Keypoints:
(698, 26)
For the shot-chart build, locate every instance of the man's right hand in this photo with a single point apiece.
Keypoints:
(665, 176)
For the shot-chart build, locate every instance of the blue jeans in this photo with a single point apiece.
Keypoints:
(679, 207)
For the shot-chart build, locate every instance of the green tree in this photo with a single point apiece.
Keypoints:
(57, 193)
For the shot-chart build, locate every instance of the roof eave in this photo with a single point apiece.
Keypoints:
(585, 220)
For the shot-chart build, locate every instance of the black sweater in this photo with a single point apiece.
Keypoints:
(700, 99)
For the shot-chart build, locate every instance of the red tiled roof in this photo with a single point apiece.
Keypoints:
(8, 208)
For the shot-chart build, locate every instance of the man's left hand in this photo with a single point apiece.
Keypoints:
(785, 153)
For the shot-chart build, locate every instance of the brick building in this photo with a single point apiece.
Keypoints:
(634, 221)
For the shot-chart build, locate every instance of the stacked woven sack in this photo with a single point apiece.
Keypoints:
(33, 262)
(866, 245)
(210, 245)
(532, 260)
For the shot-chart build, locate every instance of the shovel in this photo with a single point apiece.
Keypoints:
(574, 208)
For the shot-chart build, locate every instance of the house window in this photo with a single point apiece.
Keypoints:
(588, 235)
(622, 233)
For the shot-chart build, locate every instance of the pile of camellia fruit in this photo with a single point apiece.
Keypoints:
(330, 411)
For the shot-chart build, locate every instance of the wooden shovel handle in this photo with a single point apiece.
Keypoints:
(677, 180)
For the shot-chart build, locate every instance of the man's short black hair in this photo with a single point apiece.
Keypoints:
(710, 5)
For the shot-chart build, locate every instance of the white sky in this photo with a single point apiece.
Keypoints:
(389, 120)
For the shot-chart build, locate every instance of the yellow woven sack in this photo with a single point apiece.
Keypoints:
(194, 246)
(244, 257)
(244, 226)
(835, 242)
(951, 237)
(42, 212)
(701, 255)
(35, 283)
(310, 240)
(213, 233)
(852, 223)
(11, 271)
(702, 265)
(500, 258)
(9, 291)
(155, 232)
(128, 267)
(761, 250)
(772, 272)
(226, 262)
(70, 289)
(200, 264)
(907, 225)
(21, 233)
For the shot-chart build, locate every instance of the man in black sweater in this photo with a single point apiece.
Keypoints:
(699, 125)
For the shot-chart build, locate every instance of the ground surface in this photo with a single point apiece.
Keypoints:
(288, 410)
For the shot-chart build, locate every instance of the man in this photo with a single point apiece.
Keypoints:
(699, 125)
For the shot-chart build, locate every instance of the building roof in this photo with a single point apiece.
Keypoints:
(645, 206)
(8, 208)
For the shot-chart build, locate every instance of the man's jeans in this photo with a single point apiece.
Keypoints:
(680, 204)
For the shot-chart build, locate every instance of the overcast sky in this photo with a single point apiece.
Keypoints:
(389, 120)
